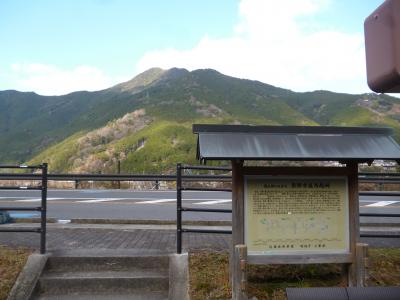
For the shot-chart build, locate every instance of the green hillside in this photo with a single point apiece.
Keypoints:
(156, 147)
(146, 122)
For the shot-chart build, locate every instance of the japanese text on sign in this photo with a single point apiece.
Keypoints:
(296, 214)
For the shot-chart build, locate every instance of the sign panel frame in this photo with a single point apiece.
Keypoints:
(302, 222)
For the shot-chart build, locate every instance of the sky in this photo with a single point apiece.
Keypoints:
(57, 47)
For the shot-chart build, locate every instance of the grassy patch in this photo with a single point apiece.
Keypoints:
(384, 267)
(209, 275)
(11, 263)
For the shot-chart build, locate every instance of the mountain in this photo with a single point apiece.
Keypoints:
(146, 122)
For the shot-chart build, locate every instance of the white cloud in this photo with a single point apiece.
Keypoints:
(52, 80)
(275, 43)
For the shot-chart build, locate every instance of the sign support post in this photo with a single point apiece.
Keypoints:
(295, 215)
(237, 211)
(299, 190)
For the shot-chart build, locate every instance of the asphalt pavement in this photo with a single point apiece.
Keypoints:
(153, 204)
(64, 205)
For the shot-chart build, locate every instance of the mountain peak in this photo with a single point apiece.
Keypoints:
(149, 77)
(143, 79)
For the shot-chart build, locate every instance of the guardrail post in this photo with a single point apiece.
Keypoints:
(179, 208)
(119, 172)
(43, 210)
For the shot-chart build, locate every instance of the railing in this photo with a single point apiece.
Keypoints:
(383, 178)
(180, 209)
(379, 177)
(77, 178)
(363, 177)
(42, 208)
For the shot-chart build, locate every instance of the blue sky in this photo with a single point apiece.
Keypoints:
(56, 47)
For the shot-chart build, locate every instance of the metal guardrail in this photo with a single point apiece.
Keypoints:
(387, 178)
(77, 178)
(89, 177)
(382, 178)
(180, 209)
(42, 208)
(363, 177)
(377, 235)
(109, 177)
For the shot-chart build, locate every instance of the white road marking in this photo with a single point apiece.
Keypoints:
(64, 221)
(206, 201)
(94, 200)
(368, 201)
(17, 197)
(381, 203)
(149, 200)
(142, 200)
(37, 199)
(100, 200)
(209, 200)
(213, 202)
(156, 201)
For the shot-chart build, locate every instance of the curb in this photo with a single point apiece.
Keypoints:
(31, 220)
(179, 276)
(160, 222)
(124, 222)
(25, 284)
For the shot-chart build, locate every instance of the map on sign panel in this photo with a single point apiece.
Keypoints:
(296, 214)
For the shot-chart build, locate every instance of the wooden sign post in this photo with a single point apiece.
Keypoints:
(296, 215)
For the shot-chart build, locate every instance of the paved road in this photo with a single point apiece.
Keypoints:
(156, 205)
(118, 204)
(128, 204)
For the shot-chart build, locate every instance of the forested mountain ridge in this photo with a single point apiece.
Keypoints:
(146, 122)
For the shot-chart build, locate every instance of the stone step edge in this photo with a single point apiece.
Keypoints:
(93, 275)
(55, 286)
(157, 295)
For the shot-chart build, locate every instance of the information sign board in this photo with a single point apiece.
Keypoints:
(296, 215)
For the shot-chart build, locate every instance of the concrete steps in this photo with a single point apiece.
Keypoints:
(104, 277)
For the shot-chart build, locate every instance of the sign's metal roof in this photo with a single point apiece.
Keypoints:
(316, 143)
